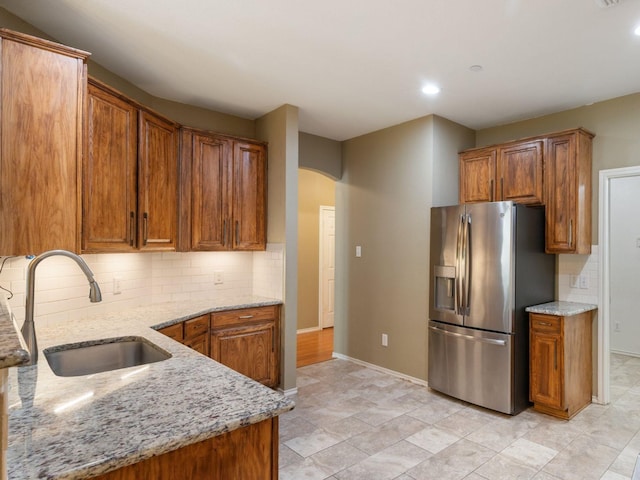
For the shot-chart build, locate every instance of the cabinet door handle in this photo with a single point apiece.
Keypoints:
(555, 356)
(237, 232)
(224, 232)
(244, 317)
(502, 189)
(132, 228)
(491, 188)
(145, 228)
(571, 232)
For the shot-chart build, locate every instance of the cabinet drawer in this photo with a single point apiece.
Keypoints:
(545, 323)
(196, 326)
(244, 315)
(173, 331)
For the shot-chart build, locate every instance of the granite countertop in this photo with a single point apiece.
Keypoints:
(13, 351)
(563, 309)
(78, 427)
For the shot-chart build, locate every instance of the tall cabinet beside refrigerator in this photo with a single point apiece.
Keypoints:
(487, 264)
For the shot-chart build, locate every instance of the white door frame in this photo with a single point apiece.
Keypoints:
(603, 394)
(323, 208)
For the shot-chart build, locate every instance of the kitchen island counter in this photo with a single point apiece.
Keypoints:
(561, 308)
(80, 427)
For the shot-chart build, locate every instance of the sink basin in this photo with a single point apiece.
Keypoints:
(97, 356)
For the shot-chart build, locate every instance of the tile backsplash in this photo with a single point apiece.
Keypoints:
(578, 277)
(62, 291)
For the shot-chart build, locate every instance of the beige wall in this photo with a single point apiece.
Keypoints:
(314, 190)
(615, 122)
(382, 204)
(321, 154)
(280, 129)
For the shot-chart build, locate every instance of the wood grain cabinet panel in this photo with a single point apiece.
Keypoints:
(568, 193)
(41, 119)
(248, 341)
(477, 176)
(130, 182)
(222, 192)
(506, 172)
(246, 453)
(560, 366)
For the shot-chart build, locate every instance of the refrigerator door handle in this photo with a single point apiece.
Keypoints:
(467, 264)
(493, 341)
(459, 267)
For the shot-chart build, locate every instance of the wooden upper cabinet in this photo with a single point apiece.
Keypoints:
(110, 174)
(520, 173)
(509, 172)
(157, 183)
(568, 192)
(130, 179)
(249, 196)
(42, 107)
(222, 192)
(477, 176)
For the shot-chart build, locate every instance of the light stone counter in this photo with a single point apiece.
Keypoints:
(562, 309)
(13, 351)
(78, 427)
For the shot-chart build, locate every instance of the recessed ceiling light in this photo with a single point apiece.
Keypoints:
(431, 89)
(476, 68)
(637, 31)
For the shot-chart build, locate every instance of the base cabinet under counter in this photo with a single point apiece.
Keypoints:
(246, 453)
(246, 340)
(560, 363)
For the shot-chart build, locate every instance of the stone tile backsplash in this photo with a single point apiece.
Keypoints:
(578, 277)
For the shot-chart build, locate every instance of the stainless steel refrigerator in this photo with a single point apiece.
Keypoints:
(487, 264)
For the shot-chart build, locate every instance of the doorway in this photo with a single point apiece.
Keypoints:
(316, 266)
(619, 241)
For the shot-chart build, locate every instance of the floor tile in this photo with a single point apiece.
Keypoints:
(386, 464)
(311, 443)
(582, 460)
(501, 467)
(386, 434)
(452, 463)
(433, 439)
(529, 453)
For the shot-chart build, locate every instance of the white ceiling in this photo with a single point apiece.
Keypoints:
(355, 66)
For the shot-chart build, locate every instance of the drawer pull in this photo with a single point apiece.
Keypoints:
(544, 324)
(244, 317)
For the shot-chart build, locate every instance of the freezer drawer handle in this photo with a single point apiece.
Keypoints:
(492, 341)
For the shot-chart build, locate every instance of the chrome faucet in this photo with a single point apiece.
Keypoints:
(28, 327)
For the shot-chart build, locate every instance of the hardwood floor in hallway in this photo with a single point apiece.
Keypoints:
(314, 347)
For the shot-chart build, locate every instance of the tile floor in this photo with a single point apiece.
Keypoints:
(352, 422)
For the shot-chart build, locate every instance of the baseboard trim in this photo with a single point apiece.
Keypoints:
(308, 330)
(372, 366)
(289, 392)
(622, 352)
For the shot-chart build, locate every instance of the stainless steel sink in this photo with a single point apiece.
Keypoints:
(97, 356)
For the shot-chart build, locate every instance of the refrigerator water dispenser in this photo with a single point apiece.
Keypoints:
(445, 285)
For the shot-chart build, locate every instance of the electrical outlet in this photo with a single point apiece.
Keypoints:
(574, 281)
(385, 340)
(218, 277)
(117, 285)
(617, 327)
(584, 281)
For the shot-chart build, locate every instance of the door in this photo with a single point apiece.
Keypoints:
(211, 188)
(490, 279)
(157, 183)
(624, 260)
(249, 196)
(327, 265)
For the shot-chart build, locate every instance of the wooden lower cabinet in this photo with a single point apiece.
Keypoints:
(248, 341)
(246, 453)
(560, 364)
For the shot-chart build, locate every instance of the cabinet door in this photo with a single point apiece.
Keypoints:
(477, 174)
(110, 174)
(157, 183)
(546, 367)
(249, 350)
(520, 173)
(42, 98)
(561, 194)
(200, 344)
(249, 196)
(211, 172)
